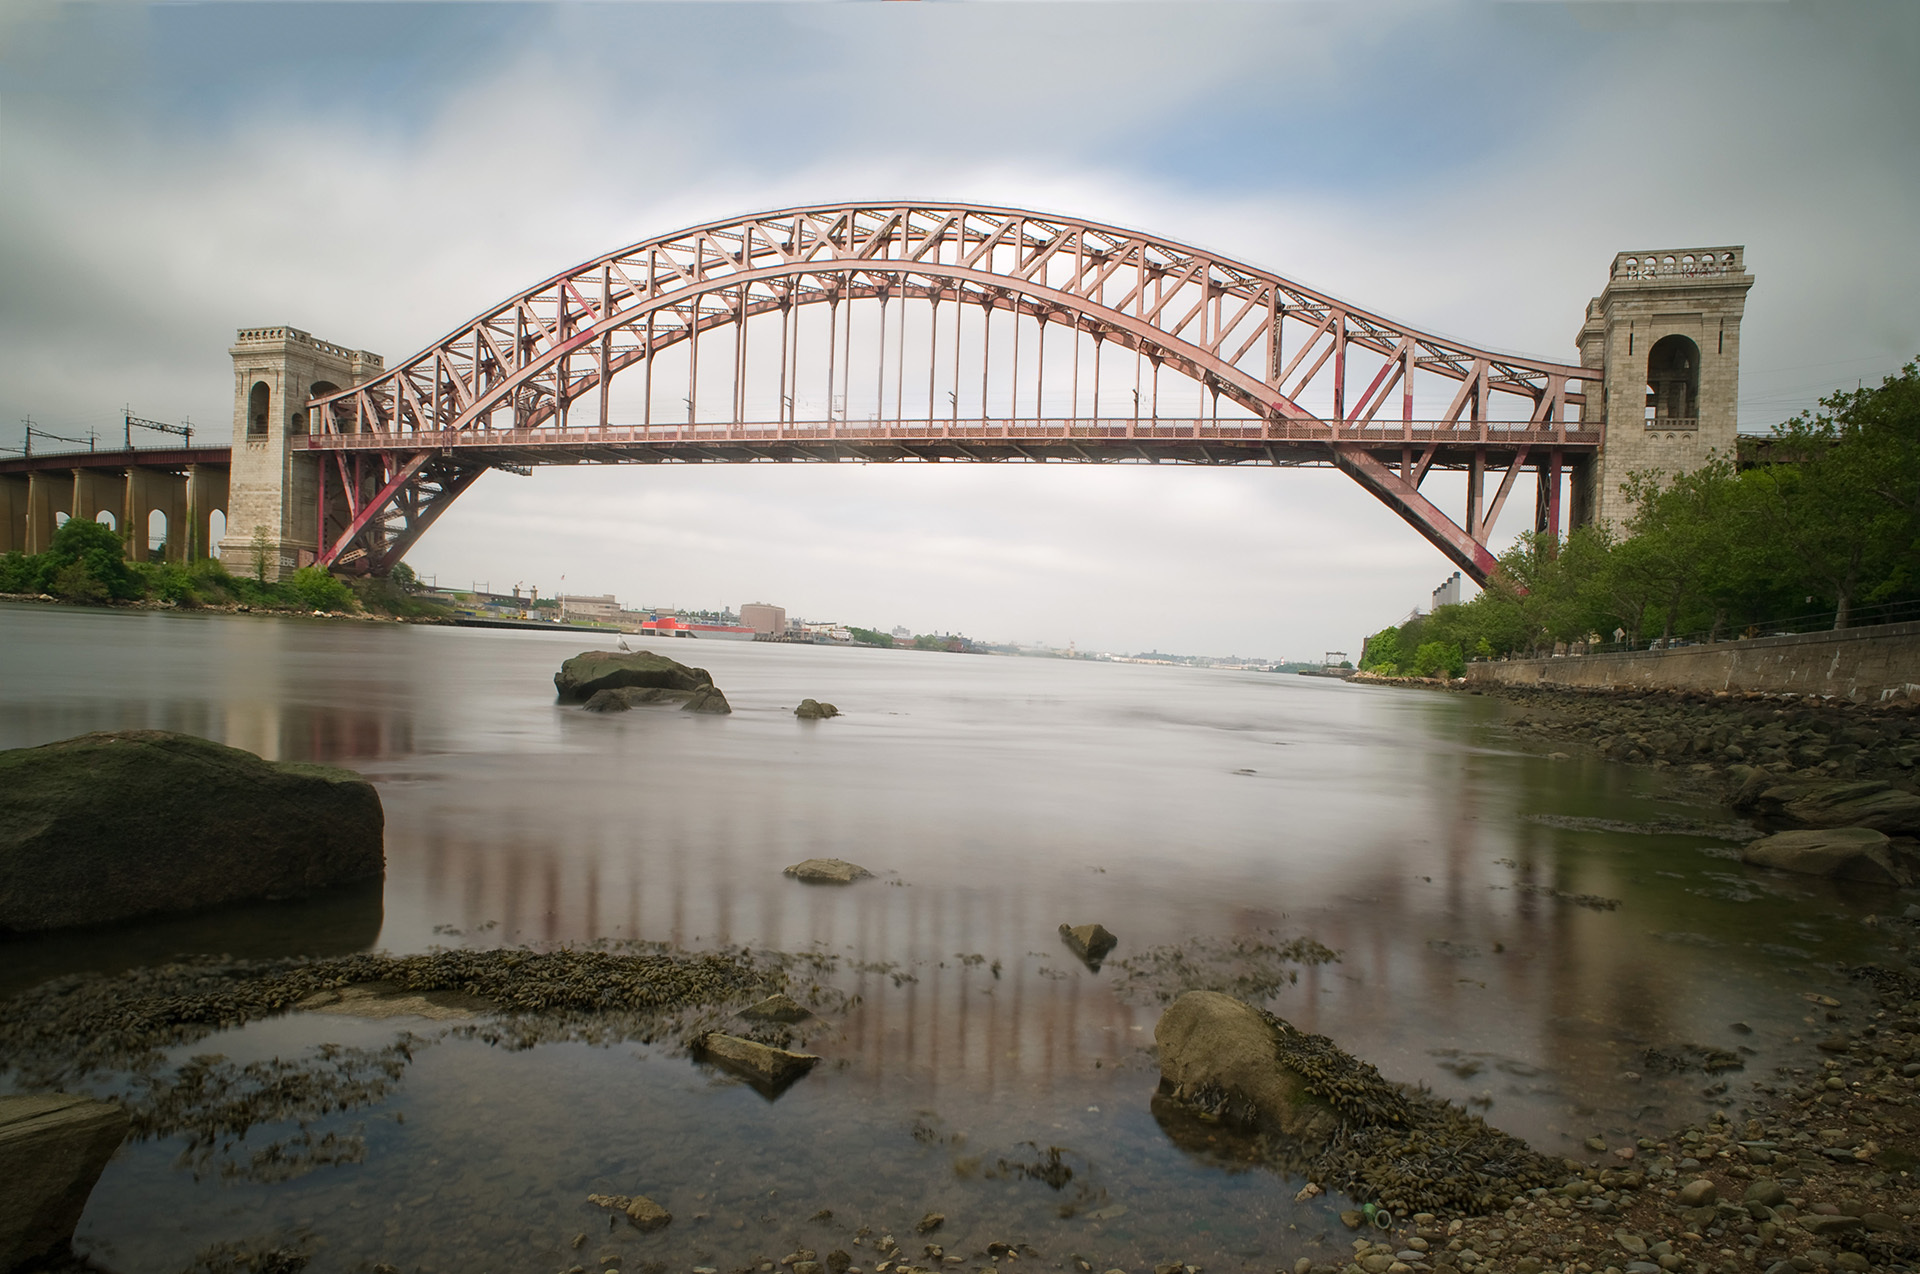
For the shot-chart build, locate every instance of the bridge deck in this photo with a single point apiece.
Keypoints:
(1180, 441)
(141, 457)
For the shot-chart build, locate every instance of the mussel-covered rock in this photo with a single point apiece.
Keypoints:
(1331, 1116)
(1221, 1052)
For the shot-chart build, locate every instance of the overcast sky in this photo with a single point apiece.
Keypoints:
(375, 174)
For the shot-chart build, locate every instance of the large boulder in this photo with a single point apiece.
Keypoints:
(1830, 803)
(107, 826)
(53, 1147)
(593, 670)
(814, 710)
(1847, 853)
(1221, 1053)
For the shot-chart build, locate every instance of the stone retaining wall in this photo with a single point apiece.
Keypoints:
(1864, 665)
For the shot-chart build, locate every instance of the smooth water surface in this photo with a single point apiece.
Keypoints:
(995, 798)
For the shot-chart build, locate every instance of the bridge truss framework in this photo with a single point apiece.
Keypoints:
(1304, 379)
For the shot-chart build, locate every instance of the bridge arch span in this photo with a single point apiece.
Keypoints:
(1311, 380)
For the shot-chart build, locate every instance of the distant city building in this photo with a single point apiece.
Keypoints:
(600, 609)
(902, 633)
(763, 618)
(1448, 594)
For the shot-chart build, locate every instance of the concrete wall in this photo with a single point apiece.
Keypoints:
(1861, 664)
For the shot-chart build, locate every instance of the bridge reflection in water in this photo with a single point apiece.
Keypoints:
(1000, 798)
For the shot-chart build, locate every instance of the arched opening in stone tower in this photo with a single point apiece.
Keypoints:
(302, 421)
(216, 531)
(257, 404)
(156, 533)
(105, 518)
(1673, 380)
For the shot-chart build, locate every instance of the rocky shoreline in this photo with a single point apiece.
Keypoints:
(1802, 1172)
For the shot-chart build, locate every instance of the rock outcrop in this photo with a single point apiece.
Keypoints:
(53, 1147)
(814, 710)
(1092, 943)
(594, 670)
(104, 827)
(827, 871)
(1870, 803)
(1845, 853)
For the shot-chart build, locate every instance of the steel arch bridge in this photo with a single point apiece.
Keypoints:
(916, 312)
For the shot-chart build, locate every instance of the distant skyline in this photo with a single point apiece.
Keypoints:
(375, 174)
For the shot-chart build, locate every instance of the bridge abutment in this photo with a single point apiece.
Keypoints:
(1666, 333)
(273, 501)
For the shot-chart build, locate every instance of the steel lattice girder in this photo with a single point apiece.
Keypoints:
(1204, 315)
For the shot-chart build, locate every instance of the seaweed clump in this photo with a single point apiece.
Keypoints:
(83, 1024)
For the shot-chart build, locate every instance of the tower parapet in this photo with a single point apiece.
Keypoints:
(1666, 333)
(273, 502)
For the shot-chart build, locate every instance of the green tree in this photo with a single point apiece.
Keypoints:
(87, 561)
(313, 588)
(261, 548)
(1439, 659)
(1381, 653)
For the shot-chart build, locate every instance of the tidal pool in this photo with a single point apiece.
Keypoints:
(1513, 932)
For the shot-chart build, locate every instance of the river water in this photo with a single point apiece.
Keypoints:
(1461, 878)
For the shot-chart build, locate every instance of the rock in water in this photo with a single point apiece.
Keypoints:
(778, 1007)
(1090, 942)
(827, 871)
(1830, 803)
(1219, 1050)
(814, 710)
(52, 1149)
(707, 699)
(1849, 853)
(594, 670)
(647, 1214)
(756, 1061)
(107, 826)
(642, 1211)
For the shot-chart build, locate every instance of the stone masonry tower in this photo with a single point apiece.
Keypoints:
(273, 495)
(1667, 332)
